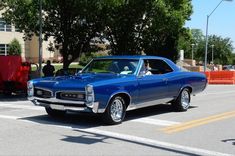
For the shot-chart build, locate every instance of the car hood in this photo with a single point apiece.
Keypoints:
(78, 82)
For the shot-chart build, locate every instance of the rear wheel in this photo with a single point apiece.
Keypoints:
(116, 111)
(55, 113)
(182, 103)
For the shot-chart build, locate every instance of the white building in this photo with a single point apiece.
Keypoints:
(30, 48)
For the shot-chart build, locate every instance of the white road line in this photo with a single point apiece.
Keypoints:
(132, 138)
(155, 121)
(216, 93)
(17, 106)
(9, 117)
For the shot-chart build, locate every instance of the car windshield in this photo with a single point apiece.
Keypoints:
(115, 66)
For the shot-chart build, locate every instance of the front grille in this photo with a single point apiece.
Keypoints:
(38, 92)
(75, 96)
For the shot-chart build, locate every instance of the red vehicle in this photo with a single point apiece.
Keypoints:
(14, 74)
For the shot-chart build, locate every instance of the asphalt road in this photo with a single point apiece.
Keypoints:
(207, 128)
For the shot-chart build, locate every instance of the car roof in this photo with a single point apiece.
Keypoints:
(138, 57)
(130, 57)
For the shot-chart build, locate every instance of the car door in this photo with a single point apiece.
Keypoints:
(153, 87)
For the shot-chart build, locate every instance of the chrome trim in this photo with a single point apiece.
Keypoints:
(95, 108)
(55, 100)
(71, 108)
(147, 104)
(65, 107)
(103, 110)
(70, 92)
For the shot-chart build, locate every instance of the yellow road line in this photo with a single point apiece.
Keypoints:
(198, 122)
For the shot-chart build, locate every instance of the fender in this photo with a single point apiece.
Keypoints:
(184, 86)
(114, 94)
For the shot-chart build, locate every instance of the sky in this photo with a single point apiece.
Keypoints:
(221, 22)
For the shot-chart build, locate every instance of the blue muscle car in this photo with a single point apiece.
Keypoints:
(114, 84)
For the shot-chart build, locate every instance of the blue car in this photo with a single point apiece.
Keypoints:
(112, 85)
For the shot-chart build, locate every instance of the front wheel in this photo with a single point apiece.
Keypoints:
(116, 111)
(182, 103)
(55, 113)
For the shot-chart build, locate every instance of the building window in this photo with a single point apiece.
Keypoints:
(17, 29)
(4, 26)
(8, 27)
(4, 49)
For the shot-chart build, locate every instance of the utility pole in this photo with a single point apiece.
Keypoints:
(40, 38)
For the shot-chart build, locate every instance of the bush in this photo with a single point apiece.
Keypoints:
(15, 47)
(85, 58)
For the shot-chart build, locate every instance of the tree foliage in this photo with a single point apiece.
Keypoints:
(131, 26)
(15, 47)
(222, 49)
(151, 26)
(72, 23)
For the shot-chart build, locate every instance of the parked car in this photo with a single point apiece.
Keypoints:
(229, 67)
(112, 85)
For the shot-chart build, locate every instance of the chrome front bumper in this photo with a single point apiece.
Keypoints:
(65, 105)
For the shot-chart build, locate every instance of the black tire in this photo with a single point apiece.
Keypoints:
(116, 111)
(55, 113)
(182, 102)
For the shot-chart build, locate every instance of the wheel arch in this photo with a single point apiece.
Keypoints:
(125, 95)
(189, 87)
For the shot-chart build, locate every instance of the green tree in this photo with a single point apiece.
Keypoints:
(15, 47)
(165, 26)
(72, 23)
(131, 26)
(184, 42)
(222, 50)
(152, 26)
(189, 37)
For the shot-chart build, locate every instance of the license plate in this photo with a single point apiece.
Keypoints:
(57, 107)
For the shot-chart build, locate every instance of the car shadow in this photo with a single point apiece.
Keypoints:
(87, 120)
(151, 111)
(78, 120)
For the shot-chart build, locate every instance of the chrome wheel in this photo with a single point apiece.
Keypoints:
(182, 103)
(116, 110)
(185, 99)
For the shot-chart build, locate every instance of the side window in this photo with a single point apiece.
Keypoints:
(159, 66)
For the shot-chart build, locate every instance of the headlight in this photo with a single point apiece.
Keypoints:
(89, 89)
(90, 97)
(30, 88)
